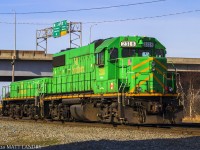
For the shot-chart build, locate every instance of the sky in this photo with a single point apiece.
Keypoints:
(178, 33)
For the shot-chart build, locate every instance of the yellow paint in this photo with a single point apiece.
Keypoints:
(101, 71)
(79, 69)
(159, 81)
(152, 91)
(160, 72)
(142, 63)
(137, 74)
(62, 33)
(49, 98)
(151, 94)
(76, 68)
(160, 64)
(107, 95)
(18, 98)
(22, 92)
(30, 86)
(143, 81)
(76, 60)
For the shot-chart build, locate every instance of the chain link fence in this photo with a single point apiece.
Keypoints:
(189, 88)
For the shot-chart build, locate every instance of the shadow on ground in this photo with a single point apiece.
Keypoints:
(154, 144)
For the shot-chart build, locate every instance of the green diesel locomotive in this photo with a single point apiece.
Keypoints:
(122, 79)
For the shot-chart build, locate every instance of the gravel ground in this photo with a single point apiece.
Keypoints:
(56, 136)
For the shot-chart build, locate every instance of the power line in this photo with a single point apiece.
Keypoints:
(25, 23)
(142, 18)
(85, 9)
(111, 21)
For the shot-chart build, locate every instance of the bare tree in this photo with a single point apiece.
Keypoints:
(190, 93)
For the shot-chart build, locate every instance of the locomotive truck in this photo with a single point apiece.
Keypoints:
(115, 80)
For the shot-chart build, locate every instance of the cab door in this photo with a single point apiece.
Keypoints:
(101, 72)
(106, 71)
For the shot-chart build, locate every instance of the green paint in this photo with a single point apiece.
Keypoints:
(136, 67)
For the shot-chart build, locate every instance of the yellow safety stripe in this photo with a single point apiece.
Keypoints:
(150, 94)
(142, 63)
(160, 72)
(146, 79)
(137, 74)
(17, 98)
(107, 95)
(163, 86)
(80, 96)
(160, 64)
(95, 96)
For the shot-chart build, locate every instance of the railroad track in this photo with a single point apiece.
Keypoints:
(186, 128)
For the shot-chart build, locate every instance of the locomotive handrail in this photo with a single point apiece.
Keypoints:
(122, 73)
(4, 91)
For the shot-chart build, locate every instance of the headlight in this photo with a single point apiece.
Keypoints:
(153, 69)
(153, 63)
(171, 89)
(139, 89)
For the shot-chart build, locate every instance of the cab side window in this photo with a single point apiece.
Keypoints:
(100, 58)
(113, 53)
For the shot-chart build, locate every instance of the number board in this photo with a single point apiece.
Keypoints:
(128, 44)
(148, 44)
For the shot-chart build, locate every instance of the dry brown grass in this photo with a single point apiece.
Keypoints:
(195, 119)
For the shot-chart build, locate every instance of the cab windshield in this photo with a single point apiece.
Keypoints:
(131, 52)
(144, 52)
(128, 52)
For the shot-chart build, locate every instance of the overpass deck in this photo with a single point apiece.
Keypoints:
(28, 64)
(180, 60)
(183, 64)
(25, 55)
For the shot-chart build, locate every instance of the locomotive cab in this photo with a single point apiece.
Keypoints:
(133, 65)
(136, 68)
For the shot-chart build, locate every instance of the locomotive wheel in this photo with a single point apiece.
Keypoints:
(59, 112)
(170, 113)
(21, 112)
(33, 112)
(66, 114)
(42, 114)
(36, 115)
(12, 111)
(6, 111)
(30, 112)
(53, 112)
(141, 114)
(17, 111)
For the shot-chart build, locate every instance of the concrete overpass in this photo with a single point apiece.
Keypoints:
(28, 64)
(32, 64)
(183, 64)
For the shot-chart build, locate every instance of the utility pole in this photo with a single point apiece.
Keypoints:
(14, 55)
(91, 31)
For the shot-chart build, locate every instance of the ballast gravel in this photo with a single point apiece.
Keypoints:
(32, 135)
